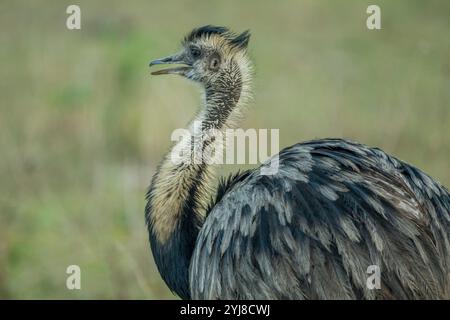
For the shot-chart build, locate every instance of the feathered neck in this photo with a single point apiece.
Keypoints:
(180, 191)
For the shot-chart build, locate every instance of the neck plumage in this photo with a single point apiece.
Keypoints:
(180, 190)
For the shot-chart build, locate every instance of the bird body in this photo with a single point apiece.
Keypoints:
(312, 230)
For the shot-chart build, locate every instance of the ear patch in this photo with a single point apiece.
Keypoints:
(241, 41)
(214, 62)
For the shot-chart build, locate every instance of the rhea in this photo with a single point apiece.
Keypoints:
(332, 217)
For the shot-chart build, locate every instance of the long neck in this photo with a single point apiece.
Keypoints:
(180, 190)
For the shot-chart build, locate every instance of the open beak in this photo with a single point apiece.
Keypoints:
(174, 59)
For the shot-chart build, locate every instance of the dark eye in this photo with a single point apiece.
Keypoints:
(195, 52)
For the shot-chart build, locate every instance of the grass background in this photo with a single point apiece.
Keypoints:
(83, 125)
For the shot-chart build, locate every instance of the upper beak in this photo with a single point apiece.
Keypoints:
(174, 59)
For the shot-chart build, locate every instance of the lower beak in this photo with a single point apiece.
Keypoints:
(175, 59)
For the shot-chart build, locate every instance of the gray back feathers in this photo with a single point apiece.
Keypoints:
(312, 230)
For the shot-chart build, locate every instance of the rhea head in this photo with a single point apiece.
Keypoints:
(216, 58)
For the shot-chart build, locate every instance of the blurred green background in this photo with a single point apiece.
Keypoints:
(83, 125)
